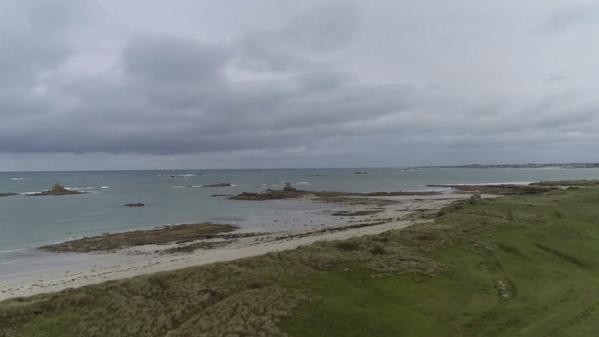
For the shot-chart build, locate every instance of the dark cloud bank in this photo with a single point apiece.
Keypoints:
(321, 84)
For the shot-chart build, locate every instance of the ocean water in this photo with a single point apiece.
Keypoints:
(172, 197)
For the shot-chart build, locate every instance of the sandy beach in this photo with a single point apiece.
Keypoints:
(394, 212)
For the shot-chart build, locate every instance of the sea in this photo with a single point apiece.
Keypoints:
(178, 196)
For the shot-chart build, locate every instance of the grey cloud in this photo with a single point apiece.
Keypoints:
(577, 15)
(263, 52)
(310, 34)
(33, 40)
(324, 28)
(331, 81)
(170, 59)
(556, 78)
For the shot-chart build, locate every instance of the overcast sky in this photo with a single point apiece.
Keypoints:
(133, 84)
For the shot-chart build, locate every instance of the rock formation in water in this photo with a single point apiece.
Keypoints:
(58, 190)
(219, 185)
(138, 204)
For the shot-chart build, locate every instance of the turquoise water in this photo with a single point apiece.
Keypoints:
(176, 197)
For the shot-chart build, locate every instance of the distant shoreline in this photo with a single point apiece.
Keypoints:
(521, 165)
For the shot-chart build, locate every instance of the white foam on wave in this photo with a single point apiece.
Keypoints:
(87, 188)
(8, 262)
(11, 250)
(190, 186)
(91, 189)
(186, 175)
(30, 193)
(302, 183)
(18, 179)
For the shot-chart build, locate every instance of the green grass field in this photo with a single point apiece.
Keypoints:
(542, 250)
(512, 266)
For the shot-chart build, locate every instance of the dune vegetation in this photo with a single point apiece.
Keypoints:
(519, 265)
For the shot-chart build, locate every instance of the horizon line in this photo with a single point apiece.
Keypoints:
(470, 165)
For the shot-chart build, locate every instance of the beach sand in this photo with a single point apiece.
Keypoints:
(391, 213)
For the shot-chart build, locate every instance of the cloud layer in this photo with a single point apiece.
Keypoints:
(333, 83)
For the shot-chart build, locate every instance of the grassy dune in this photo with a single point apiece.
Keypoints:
(525, 265)
(517, 266)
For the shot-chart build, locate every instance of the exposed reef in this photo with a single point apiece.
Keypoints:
(358, 213)
(289, 192)
(160, 236)
(138, 204)
(57, 190)
(219, 185)
(504, 189)
(568, 183)
(269, 195)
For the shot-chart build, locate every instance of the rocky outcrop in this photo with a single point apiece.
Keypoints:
(138, 204)
(158, 236)
(502, 189)
(58, 190)
(289, 192)
(269, 195)
(7, 194)
(357, 213)
(289, 188)
(219, 185)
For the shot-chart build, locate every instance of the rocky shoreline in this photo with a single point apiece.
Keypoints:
(289, 192)
(157, 236)
(500, 189)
